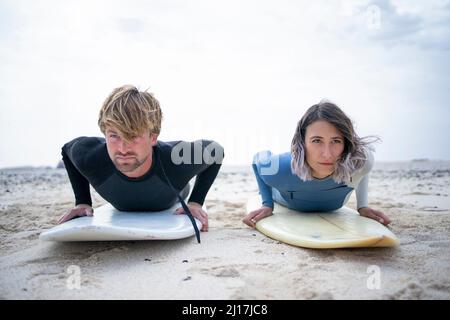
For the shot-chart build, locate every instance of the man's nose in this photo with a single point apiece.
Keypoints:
(123, 146)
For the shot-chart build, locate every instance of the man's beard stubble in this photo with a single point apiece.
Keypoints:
(130, 165)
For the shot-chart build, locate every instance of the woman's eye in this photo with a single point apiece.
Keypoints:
(316, 141)
(337, 141)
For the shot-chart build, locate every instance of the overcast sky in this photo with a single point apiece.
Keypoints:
(238, 72)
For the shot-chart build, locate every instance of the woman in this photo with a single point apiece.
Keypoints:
(326, 163)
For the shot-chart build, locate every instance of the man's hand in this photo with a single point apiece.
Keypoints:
(375, 215)
(253, 217)
(197, 212)
(79, 211)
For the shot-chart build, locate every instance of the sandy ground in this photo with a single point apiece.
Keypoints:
(233, 261)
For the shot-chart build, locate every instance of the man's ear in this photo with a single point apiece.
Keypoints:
(153, 138)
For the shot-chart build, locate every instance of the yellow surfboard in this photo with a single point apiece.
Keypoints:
(342, 228)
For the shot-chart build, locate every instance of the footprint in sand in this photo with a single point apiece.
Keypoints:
(222, 272)
(412, 291)
(234, 205)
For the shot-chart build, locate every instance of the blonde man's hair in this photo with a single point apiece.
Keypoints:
(131, 112)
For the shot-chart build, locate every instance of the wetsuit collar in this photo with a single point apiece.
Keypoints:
(324, 178)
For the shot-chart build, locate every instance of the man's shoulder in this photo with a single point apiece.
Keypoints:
(86, 152)
(182, 145)
(172, 144)
(191, 151)
(84, 143)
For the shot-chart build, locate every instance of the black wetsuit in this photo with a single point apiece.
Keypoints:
(87, 162)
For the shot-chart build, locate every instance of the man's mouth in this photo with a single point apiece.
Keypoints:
(124, 157)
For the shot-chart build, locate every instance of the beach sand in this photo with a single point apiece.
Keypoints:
(233, 261)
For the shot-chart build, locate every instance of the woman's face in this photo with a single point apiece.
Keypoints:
(324, 146)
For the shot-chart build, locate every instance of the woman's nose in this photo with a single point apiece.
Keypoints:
(326, 152)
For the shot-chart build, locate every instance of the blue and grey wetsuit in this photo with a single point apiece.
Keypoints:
(278, 183)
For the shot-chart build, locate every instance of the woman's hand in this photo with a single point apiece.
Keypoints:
(253, 217)
(375, 215)
(197, 212)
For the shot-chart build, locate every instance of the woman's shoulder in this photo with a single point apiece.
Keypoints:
(276, 163)
(266, 157)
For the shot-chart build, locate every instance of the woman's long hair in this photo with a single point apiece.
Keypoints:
(356, 149)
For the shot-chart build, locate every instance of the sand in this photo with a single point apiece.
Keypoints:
(233, 261)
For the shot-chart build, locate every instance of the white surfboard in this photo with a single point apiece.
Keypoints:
(342, 228)
(109, 224)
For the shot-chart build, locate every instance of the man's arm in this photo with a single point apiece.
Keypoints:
(80, 184)
(206, 177)
(184, 160)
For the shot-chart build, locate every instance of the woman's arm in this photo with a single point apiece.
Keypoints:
(264, 189)
(362, 203)
(266, 194)
(362, 191)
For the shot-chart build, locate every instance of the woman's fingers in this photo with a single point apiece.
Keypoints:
(249, 219)
(254, 216)
(377, 216)
(382, 217)
(371, 215)
(262, 215)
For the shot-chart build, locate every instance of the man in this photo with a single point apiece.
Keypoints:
(133, 170)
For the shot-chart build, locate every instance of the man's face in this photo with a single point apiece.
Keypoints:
(131, 158)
